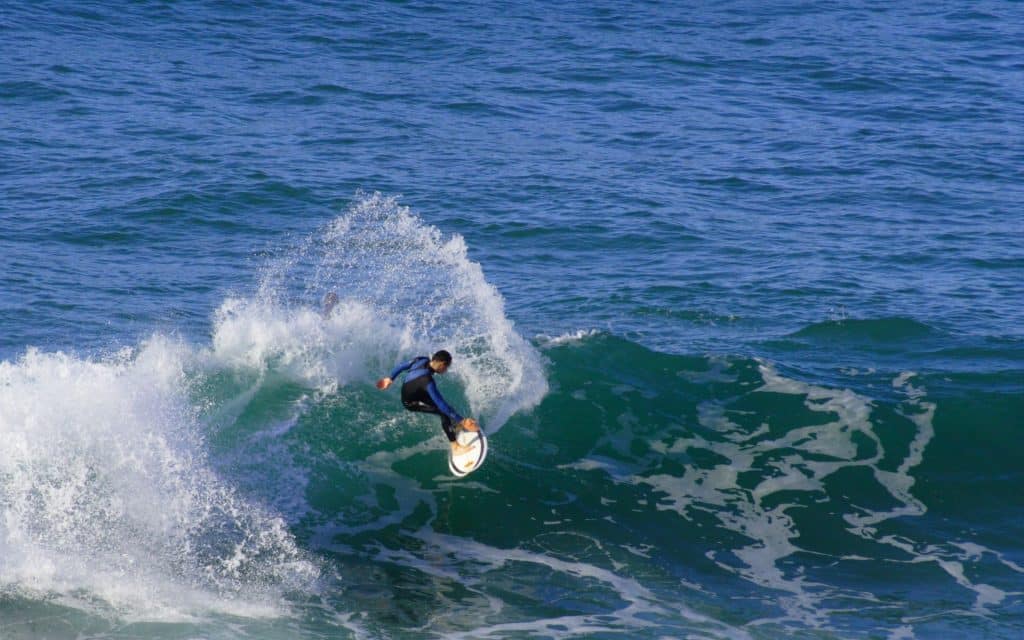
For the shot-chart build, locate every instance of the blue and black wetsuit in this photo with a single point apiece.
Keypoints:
(419, 393)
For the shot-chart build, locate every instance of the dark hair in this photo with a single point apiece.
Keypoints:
(443, 356)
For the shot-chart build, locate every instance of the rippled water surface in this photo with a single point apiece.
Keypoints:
(736, 290)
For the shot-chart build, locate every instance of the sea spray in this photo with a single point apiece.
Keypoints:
(107, 497)
(403, 289)
(301, 343)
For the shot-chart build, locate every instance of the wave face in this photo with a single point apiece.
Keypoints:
(260, 482)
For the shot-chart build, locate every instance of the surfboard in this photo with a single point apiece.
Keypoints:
(465, 463)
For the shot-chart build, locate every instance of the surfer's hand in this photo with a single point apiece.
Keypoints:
(469, 424)
(383, 383)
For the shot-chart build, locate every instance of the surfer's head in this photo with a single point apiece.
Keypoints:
(440, 361)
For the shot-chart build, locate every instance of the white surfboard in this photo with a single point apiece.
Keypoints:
(464, 463)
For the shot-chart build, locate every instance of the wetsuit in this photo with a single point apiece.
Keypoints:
(419, 393)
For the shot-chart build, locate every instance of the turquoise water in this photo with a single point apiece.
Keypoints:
(736, 290)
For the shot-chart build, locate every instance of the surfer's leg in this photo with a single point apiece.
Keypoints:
(426, 407)
(448, 426)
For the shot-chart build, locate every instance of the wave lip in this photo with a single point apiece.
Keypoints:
(880, 330)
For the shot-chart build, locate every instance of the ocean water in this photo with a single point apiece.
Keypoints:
(736, 290)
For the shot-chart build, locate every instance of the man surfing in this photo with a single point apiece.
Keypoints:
(419, 393)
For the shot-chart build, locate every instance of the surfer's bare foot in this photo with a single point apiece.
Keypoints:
(469, 424)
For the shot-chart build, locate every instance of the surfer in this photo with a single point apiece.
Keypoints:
(419, 393)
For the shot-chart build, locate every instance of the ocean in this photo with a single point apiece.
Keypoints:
(736, 290)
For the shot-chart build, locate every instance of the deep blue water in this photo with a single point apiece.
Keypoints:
(736, 288)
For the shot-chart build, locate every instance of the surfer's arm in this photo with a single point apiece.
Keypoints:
(438, 399)
(384, 383)
(400, 368)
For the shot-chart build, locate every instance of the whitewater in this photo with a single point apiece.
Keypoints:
(110, 485)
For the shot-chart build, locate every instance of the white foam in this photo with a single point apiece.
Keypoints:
(300, 343)
(572, 337)
(105, 490)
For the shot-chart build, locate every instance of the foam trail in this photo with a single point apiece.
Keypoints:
(813, 454)
(402, 289)
(105, 493)
(899, 484)
(476, 559)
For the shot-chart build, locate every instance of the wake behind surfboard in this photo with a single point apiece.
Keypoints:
(470, 460)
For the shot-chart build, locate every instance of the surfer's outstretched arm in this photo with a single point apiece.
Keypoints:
(400, 368)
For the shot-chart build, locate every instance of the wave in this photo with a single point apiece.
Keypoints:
(108, 493)
(875, 330)
(627, 491)
(156, 479)
(170, 482)
(730, 467)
